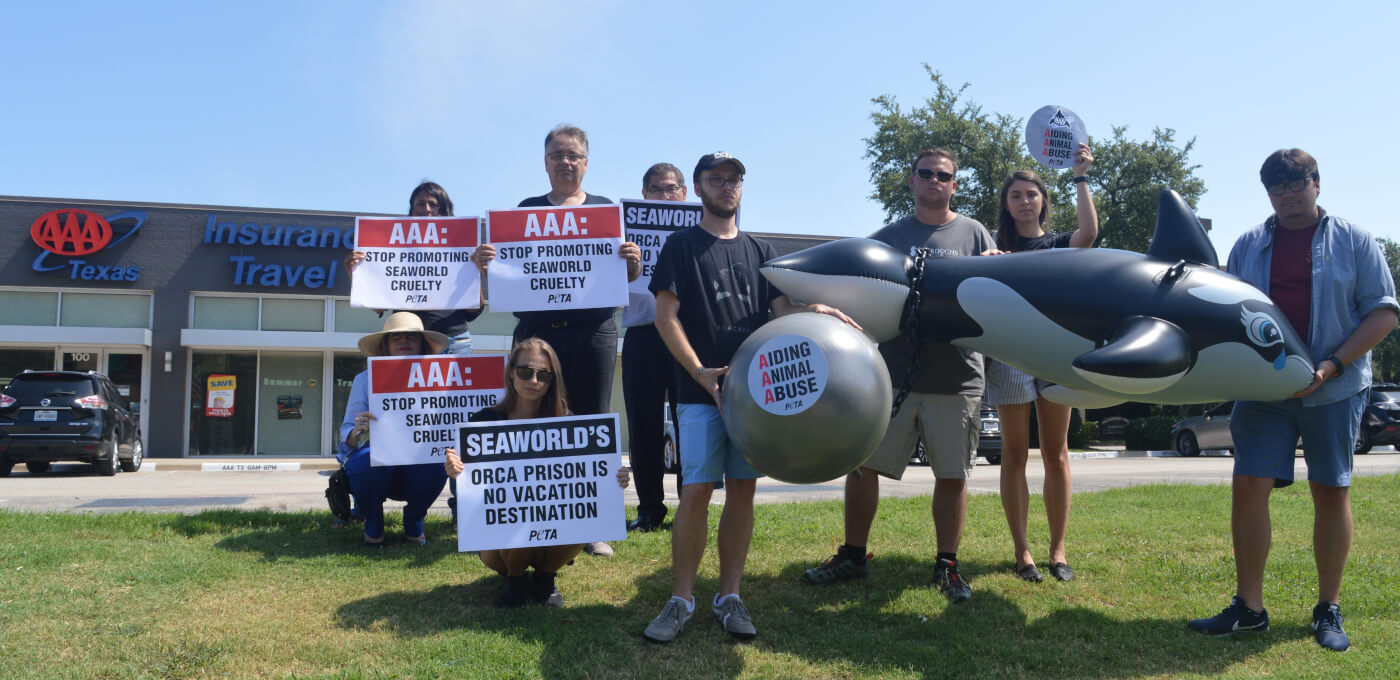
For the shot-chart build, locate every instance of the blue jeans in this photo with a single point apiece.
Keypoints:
(418, 486)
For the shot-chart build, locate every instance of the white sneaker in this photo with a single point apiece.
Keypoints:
(598, 549)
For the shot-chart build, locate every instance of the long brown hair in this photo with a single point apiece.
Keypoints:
(555, 402)
(1006, 224)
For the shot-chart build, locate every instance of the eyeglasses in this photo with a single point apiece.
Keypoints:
(926, 174)
(558, 156)
(544, 375)
(1288, 187)
(668, 189)
(718, 182)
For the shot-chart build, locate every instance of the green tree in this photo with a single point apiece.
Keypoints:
(1125, 180)
(1385, 358)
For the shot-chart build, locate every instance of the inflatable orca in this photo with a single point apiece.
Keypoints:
(1106, 326)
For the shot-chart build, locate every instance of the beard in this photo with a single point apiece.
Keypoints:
(713, 207)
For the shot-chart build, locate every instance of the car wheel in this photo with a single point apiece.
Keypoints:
(668, 453)
(1363, 440)
(993, 458)
(38, 467)
(920, 455)
(5, 467)
(1186, 444)
(136, 456)
(107, 465)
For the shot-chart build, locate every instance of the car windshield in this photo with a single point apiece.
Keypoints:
(26, 388)
(1386, 395)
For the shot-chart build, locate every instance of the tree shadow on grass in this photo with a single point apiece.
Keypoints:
(303, 535)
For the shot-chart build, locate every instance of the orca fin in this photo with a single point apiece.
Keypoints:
(1179, 234)
(1145, 355)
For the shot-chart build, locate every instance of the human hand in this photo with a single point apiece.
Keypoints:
(624, 475)
(1083, 158)
(482, 255)
(353, 260)
(1326, 370)
(709, 379)
(453, 463)
(819, 308)
(994, 251)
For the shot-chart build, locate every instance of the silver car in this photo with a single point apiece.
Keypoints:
(1208, 431)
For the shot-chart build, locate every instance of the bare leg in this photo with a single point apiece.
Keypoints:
(1332, 529)
(1015, 496)
(555, 557)
(1054, 453)
(689, 530)
(862, 500)
(949, 511)
(1253, 534)
(735, 533)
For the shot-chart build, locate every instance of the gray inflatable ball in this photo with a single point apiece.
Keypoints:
(807, 398)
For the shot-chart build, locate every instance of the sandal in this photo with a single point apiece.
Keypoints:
(1062, 571)
(1028, 572)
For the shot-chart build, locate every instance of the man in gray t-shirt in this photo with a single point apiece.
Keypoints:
(942, 406)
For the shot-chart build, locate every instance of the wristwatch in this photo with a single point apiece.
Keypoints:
(1081, 179)
(1341, 367)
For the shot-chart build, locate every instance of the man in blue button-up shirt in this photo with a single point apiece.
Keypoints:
(1331, 281)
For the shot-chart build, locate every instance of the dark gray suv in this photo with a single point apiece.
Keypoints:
(48, 416)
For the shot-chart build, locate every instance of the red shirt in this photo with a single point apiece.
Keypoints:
(1290, 276)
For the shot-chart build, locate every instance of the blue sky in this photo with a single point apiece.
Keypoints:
(347, 105)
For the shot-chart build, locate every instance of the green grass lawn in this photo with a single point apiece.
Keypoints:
(263, 594)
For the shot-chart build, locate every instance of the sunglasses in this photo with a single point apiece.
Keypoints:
(925, 173)
(544, 375)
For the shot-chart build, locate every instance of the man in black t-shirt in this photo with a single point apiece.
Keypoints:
(584, 339)
(709, 298)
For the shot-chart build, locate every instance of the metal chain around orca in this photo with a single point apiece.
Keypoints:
(910, 321)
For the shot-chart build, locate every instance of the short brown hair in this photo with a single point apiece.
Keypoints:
(1286, 165)
(662, 169)
(934, 151)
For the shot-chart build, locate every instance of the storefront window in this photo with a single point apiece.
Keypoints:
(220, 425)
(290, 314)
(23, 308)
(289, 403)
(106, 311)
(226, 313)
(16, 359)
(356, 319)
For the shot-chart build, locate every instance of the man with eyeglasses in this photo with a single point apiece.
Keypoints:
(648, 375)
(1332, 282)
(585, 339)
(943, 404)
(710, 297)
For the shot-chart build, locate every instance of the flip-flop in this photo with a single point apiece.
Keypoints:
(1028, 572)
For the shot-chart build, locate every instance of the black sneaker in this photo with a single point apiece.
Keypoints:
(840, 567)
(949, 580)
(1327, 627)
(515, 593)
(1235, 618)
(542, 590)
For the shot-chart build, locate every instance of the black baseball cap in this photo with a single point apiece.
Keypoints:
(710, 161)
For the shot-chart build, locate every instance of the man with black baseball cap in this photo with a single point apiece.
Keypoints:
(709, 298)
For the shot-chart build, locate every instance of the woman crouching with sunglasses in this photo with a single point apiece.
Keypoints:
(533, 390)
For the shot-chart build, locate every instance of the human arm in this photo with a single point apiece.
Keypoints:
(453, 463)
(1088, 229)
(357, 416)
(1369, 333)
(783, 305)
(633, 254)
(668, 324)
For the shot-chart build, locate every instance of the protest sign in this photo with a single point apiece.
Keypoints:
(416, 263)
(1053, 133)
(419, 402)
(556, 258)
(545, 481)
(649, 224)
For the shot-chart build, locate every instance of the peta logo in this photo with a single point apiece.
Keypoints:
(74, 233)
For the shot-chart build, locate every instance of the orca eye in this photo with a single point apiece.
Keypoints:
(1261, 328)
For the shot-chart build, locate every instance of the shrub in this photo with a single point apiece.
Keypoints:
(1147, 434)
(1078, 437)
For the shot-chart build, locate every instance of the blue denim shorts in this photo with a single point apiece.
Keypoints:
(707, 453)
(1266, 435)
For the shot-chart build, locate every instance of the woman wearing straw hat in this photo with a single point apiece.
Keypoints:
(417, 485)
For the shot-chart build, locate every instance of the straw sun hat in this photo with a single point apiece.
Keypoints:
(402, 322)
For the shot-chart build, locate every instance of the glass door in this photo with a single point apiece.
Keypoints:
(128, 372)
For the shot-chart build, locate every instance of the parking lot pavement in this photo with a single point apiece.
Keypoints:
(187, 486)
